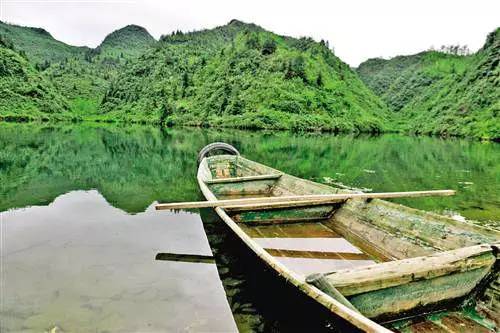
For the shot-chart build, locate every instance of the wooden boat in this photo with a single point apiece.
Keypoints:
(377, 265)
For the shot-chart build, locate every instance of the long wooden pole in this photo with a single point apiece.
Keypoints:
(284, 201)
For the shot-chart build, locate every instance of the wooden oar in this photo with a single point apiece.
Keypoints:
(284, 201)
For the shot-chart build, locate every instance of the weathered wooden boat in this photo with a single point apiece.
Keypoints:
(377, 265)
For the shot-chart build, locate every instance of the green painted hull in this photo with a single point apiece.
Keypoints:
(451, 266)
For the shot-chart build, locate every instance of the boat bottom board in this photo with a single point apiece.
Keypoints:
(307, 248)
(466, 321)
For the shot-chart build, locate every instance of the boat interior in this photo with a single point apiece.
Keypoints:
(356, 245)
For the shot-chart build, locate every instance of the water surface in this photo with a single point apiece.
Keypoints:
(81, 265)
(133, 166)
(84, 254)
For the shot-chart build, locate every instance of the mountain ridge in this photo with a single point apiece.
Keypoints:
(80, 74)
(437, 93)
(38, 44)
(240, 75)
(129, 41)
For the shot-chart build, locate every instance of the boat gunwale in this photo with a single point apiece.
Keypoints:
(351, 316)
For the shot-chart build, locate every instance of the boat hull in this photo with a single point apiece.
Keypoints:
(373, 226)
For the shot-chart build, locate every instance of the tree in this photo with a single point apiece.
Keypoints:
(252, 41)
(455, 49)
(42, 65)
(319, 80)
(184, 83)
(324, 43)
(269, 47)
(296, 68)
(166, 111)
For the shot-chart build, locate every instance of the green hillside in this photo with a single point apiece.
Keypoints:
(438, 93)
(240, 75)
(80, 74)
(24, 93)
(128, 42)
(39, 45)
(84, 81)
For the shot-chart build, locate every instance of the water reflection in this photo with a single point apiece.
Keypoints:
(133, 166)
(83, 266)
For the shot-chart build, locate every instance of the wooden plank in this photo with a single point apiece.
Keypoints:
(375, 241)
(488, 312)
(293, 230)
(279, 220)
(284, 215)
(426, 327)
(394, 273)
(459, 324)
(285, 204)
(242, 179)
(325, 198)
(317, 254)
(431, 230)
(255, 187)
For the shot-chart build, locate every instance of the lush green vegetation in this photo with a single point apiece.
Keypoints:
(24, 93)
(132, 166)
(39, 45)
(240, 75)
(80, 75)
(439, 93)
(85, 80)
(126, 43)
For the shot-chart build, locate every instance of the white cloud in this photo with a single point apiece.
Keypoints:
(356, 29)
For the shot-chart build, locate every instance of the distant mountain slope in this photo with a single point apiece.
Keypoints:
(81, 74)
(84, 81)
(438, 93)
(24, 93)
(240, 75)
(39, 45)
(379, 74)
(128, 42)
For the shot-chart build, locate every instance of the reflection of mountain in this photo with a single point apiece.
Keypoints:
(135, 165)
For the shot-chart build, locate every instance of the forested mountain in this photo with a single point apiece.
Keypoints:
(438, 93)
(39, 45)
(240, 75)
(128, 42)
(24, 93)
(80, 74)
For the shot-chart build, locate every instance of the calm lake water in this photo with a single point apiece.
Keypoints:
(80, 237)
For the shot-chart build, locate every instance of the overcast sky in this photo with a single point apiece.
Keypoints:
(357, 29)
